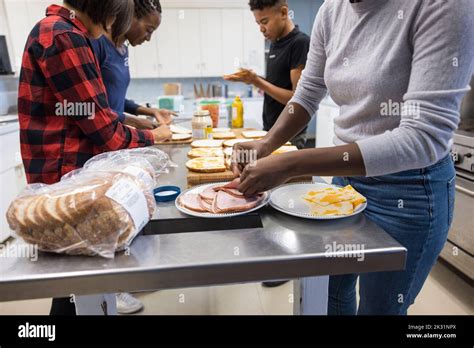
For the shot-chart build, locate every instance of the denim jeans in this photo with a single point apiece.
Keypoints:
(416, 208)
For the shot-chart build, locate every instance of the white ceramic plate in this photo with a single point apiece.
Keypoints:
(207, 143)
(221, 130)
(180, 137)
(179, 130)
(287, 199)
(200, 188)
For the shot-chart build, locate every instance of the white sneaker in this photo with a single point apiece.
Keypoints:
(127, 304)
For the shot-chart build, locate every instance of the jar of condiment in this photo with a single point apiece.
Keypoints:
(202, 125)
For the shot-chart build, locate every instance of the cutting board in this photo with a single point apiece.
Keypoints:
(175, 142)
(205, 178)
(195, 179)
(238, 133)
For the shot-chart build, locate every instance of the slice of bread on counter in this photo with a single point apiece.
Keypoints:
(181, 137)
(232, 142)
(207, 143)
(179, 130)
(226, 135)
(205, 152)
(206, 165)
(254, 134)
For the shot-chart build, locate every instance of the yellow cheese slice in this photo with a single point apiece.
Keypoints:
(206, 152)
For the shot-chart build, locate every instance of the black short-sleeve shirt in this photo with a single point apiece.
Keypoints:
(285, 55)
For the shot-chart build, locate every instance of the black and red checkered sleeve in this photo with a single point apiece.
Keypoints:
(72, 74)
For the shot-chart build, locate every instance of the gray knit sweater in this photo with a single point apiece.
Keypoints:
(398, 69)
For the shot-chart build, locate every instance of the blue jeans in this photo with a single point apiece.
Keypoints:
(416, 208)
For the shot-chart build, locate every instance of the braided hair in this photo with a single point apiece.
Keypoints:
(145, 7)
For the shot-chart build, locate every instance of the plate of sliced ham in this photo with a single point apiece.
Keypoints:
(217, 200)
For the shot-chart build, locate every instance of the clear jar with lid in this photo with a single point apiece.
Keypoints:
(202, 125)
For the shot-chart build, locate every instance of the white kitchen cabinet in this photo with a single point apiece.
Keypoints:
(146, 59)
(233, 43)
(189, 43)
(17, 14)
(12, 175)
(5, 30)
(254, 44)
(211, 39)
(132, 62)
(167, 41)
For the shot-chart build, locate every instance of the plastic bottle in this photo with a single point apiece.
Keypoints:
(237, 113)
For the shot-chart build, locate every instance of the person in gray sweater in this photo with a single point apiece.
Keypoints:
(398, 69)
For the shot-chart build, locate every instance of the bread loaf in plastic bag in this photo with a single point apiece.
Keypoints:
(96, 210)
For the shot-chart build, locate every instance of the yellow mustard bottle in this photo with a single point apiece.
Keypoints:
(237, 113)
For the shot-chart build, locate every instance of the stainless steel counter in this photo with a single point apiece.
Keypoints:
(284, 247)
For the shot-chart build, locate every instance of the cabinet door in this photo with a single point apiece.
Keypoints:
(232, 45)
(211, 42)
(146, 59)
(254, 44)
(189, 43)
(20, 28)
(167, 41)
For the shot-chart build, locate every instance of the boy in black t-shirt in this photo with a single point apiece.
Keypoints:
(286, 61)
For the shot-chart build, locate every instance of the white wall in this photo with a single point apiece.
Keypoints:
(4, 30)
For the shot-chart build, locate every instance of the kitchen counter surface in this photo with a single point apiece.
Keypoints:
(177, 251)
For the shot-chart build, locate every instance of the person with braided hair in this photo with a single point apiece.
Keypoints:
(112, 54)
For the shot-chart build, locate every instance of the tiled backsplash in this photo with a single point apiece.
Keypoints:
(148, 90)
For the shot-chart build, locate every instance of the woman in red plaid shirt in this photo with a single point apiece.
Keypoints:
(64, 114)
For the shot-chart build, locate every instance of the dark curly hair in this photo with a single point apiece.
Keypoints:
(101, 10)
(145, 7)
(262, 4)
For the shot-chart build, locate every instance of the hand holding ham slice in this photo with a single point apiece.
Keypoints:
(220, 200)
(233, 184)
(227, 203)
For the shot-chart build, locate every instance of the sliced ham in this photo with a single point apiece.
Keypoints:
(220, 199)
(208, 194)
(231, 188)
(226, 203)
(206, 205)
(192, 202)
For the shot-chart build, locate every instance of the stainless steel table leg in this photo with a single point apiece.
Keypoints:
(101, 304)
(310, 296)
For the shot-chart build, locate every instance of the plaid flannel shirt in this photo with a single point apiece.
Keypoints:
(63, 110)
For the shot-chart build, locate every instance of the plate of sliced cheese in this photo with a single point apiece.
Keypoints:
(318, 201)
